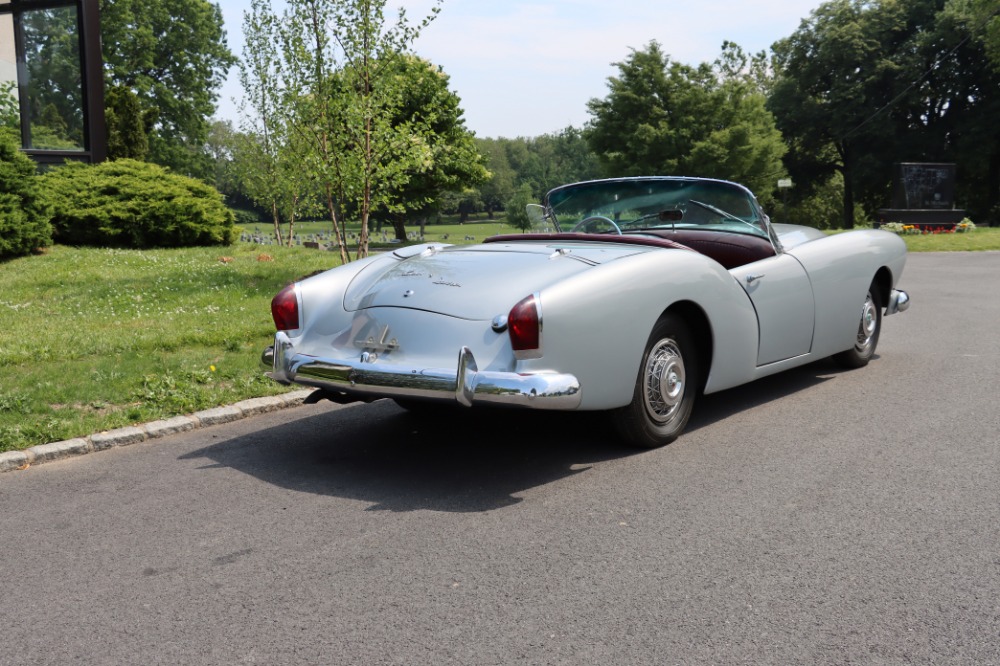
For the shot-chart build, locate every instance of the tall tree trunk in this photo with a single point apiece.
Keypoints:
(366, 194)
(399, 226)
(993, 187)
(291, 220)
(846, 169)
(277, 221)
(338, 232)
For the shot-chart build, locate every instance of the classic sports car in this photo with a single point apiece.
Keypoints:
(642, 293)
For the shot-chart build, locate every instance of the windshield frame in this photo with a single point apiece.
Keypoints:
(668, 193)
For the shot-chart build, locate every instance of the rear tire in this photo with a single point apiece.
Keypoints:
(665, 388)
(869, 328)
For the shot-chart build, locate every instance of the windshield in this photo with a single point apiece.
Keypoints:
(635, 204)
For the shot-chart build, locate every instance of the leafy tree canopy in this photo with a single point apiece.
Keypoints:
(663, 117)
(172, 55)
(452, 161)
(862, 84)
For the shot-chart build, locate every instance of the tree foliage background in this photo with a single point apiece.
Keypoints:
(665, 117)
(164, 63)
(339, 110)
(343, 119)
(863, 84)
(24, 215)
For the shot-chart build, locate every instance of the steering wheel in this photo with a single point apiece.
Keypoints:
(587, 221)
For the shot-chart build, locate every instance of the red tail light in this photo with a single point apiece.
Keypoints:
(525, 326)
(285, 309)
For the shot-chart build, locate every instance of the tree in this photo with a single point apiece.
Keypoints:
(10, 113)
(455, 163)
(864, 84)
(128, 127)
(953, 114)
(172, 55)
(517, 208)
(986, 14)
(664, 117)
(382, 152)
(269, 153)
(496, 190)
(337, 68)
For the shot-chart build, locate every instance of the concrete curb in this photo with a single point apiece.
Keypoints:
(19, 460)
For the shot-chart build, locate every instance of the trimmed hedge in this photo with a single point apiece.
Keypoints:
(24, 217)
(134, 204)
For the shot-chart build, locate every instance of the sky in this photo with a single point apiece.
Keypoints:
(529, 68)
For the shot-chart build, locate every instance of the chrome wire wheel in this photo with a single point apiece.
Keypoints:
(664, 381)
(867, 328)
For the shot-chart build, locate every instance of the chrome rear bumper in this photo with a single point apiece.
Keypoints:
(899, 301)
(465, 383)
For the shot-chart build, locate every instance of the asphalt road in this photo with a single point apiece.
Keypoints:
(817, 517)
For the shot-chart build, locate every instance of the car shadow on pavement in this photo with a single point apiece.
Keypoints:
(718, 406)
(461, 461)
(454, 460)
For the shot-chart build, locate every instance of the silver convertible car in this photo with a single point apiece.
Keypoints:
(637, 295)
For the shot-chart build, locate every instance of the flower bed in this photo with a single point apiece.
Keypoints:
(965, 226)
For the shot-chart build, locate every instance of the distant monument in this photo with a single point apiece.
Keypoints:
(923, 194)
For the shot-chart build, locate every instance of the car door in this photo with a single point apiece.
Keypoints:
(783, 297)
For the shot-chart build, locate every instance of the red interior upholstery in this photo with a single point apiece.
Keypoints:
(730, 250)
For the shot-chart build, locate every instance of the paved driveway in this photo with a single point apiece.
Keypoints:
(818, 517)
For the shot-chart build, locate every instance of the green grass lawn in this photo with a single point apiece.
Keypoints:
(984, 238)
(97, 339)
(94, 339)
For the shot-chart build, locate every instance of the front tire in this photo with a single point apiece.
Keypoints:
(869, 328)
(665, 388)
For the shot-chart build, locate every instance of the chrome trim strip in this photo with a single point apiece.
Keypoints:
(899, 301)
(465, 384)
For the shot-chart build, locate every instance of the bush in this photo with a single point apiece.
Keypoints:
(24, 218)
(823, 209)
(133, 204)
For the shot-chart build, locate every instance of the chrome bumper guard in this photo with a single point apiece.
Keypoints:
(899, 301)
(465, 384)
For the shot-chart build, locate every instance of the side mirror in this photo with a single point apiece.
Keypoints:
(537, 217)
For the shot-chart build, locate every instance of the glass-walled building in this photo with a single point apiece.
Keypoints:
(51, 86)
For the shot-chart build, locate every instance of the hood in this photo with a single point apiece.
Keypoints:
(478, 281)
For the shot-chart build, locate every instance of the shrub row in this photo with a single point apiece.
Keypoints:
(24, 215)
(124, 203)
(134, 204)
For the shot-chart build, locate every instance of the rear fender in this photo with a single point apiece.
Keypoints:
(596, 324)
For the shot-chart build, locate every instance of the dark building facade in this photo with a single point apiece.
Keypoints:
(51, 80)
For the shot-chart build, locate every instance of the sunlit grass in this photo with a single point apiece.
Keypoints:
(982, 238)
(96, 339)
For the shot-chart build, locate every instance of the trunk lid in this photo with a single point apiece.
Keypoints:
(479, 281)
